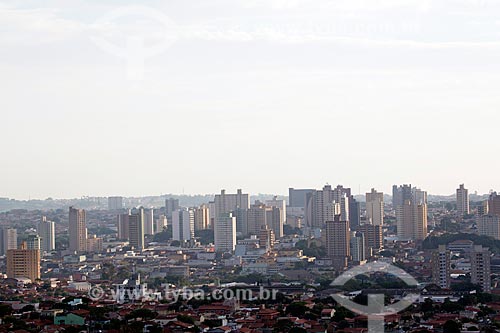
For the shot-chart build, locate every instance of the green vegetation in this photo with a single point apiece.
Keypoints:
(433, 242)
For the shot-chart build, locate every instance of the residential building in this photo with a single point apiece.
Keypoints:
(441, 267)
(225, 233)
(183, 224)
(462, 201)
(337, 240)
(115, 203)
(480, 267)
(489, 225)
(23, 263)
(77, 230)
(375, 207)
(47, 231)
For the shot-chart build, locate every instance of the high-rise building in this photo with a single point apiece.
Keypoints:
(115, 203)
(462, 201)
(94, 244)
(297, 197)
(23, 263)
(411, 221)
(410, 204)
(122, 226)
(338, 242)
(161, 224)
(279, 203)
(483, 209)
(375, 207)
(373, 237)
(171, 205)
(266, 238)
(357, 244)
(183, 224)
(136, 228)
(8, 239)
(228, 203)
(77, 230)
(225, 233)
(34, 242)
(47, 231)
(494, 204)
(319, 205)
(255, 219)
(202, 218)
(149, 221)
(400, 195)
(274, 220)
(441, 267)
(480, 267)
(489, 225)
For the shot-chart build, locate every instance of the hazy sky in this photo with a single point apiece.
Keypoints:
(253, 94)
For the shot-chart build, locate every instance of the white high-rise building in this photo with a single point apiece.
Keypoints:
(358, 251)
(375, 207)
(183, 224)
(225, 232)
(47, 231)
(77, 230)
(161, 223)
(462, 201)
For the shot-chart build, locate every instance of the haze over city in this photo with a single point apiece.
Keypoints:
(260, 95)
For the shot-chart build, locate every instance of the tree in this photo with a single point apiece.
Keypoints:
(451, 326)
(296, 309)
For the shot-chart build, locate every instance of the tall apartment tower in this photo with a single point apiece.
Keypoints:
(338, 242)
(171, 205)
(183, 224)
(228, 203)
(47, 231)
(462, 201)
(34, 242)
(441, 267)
(149, 221)
(115, 203)
(77, 230)
(480, 267)
(255, 219)
(297, 197)
(489, 225)
(136, 228)
(411, 221)
(225, 233)
(266, 238)
(278, 203)
(373, 237)
(23, 263)
(410, 204)
(357, 244)
(161, 223)
(122, 226)
(202, 217)
(8, 237)
(375, 207)
(319, 205)
(494, 204)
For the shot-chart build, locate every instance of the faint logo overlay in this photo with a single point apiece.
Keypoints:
(134, 33)
(375, 310)
(142, 294)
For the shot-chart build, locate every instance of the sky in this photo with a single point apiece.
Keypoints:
(191, 96)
